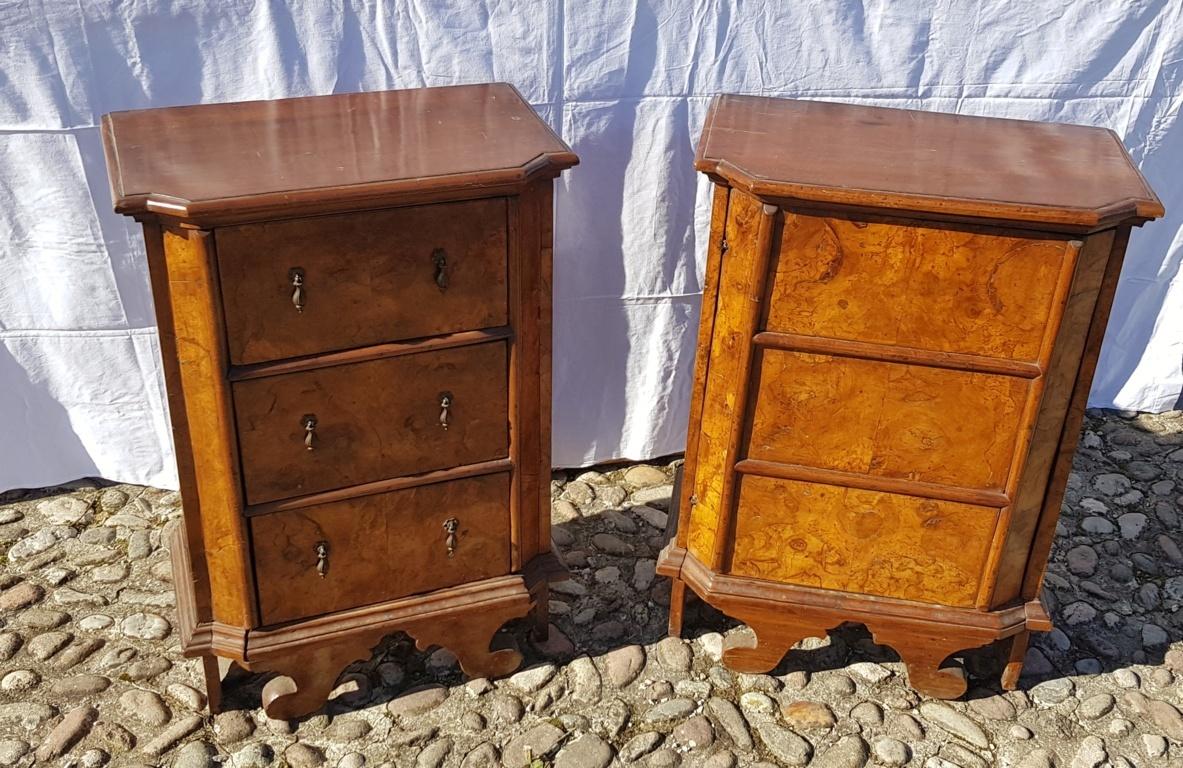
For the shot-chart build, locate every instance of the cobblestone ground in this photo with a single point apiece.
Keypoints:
(90, 673)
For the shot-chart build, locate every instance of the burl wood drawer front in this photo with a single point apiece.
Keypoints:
(861, 541)
(364, 278)
(944, 290)
(372, 420)
(380, 547)
(902, 421)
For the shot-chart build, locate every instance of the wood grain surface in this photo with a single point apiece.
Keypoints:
(380, 547)
(904, 421)
(924, 164)
(861, 541)
(932, 288)
(351, 150)
(374, 420)
(748, 230)
(368, 278)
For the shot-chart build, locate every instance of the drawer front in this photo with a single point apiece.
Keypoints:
(380, 547)
(373, 420)
(942, 290)
(859, 541)
(366, 278)
(908, 422)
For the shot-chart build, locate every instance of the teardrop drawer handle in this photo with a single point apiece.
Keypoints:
(322, 558)
(309, 422)
(451, 525)
(439, 257)
(445, 409)
(296, 275)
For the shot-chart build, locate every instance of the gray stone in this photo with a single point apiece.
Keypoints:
(1154, 745)
(721, 759)
(234, 725)
(587, 751)
(867, 713)
(1090, 754)
(955, 723)
(21, 596)
(507, 709)
(611, 545)
(172, 735)
(586, 686)
(784, 745)
(1098, 526)
(870, 671)
(1111, 484)
(1131, 524)
(756, 703)
(644, 574)
(12, 750)
(1078, 613)
(195, 754)
(663, 758)
(1082, 560)
(301, 755)
(145, 706)
(417, 701)
(1052, 692)
(145, 626)
(352, 760)
(675, 654)
(79, 686)
(10, 643)
(624, 664)
(1037, 758)
(30, 715)
(850, 752)
(891, 752)
(655, 518)
(1126, 678)
(38, 542)
(668, 711)
(253, 755)
(483, 755)
(643, 476)
(20, 680)
(658, 494)
(72, 729)
(66, 510)
(532, 744)
(1154, 636)
(695, 733)
(640, 745)
(1162, 714)
(729, 719)
(993, 707)
(434, 754)
(533, 679)
(1095, 707)
(187, 696)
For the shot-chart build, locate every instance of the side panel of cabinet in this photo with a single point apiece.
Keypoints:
(185, 281)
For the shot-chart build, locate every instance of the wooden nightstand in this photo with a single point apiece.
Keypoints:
(353, 296)
(901, 320)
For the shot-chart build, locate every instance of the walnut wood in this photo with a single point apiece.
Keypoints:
(380, 547)
(891, 381)
(365, 354)
(359, 192)
(368, 278)
(1040, 175)
(297, 157)
(205, 399)
(374, 420)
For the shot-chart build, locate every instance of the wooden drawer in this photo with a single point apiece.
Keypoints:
(944, 290)
(909, 422)
(367, 278)
(373, 420)
(861, 541)
(380, 547)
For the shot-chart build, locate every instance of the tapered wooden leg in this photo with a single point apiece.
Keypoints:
(213, 683)
(772, 642)
(924, 654)
(677, 606)
(540, 613)
(1014, 651)
(304, 680)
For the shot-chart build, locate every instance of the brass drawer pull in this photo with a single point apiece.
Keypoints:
(450, 526)
(322, 558)
(296, 275)
(309, 422)
(440, 258)
(445, 408)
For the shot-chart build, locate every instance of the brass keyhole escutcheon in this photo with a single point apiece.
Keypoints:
(451, 525)
(445, 409)
(309, 422)
(296, 276)
(439, 257)
(322, 558)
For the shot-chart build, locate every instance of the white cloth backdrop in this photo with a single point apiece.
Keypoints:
(626, 83)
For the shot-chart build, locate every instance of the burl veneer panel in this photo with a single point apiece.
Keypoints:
(939, 289)
(861, 541)
(910, 422)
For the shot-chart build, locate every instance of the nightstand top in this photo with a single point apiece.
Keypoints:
(241, 160)
(1069, 177)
